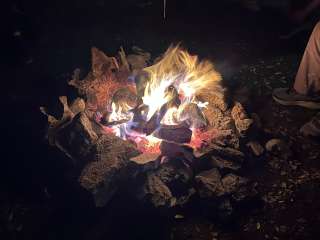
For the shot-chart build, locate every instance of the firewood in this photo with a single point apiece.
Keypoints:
(174, 133)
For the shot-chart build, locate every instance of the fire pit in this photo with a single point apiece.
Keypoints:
(164, 129)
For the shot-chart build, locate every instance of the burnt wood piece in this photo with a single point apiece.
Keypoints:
(113, 123)
(146, 127)
(174, 133)
(142, 126)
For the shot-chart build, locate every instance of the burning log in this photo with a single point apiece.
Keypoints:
(174, 133)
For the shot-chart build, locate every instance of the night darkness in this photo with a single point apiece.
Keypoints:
(40, 195)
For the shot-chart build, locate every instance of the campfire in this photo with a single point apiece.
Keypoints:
(167, 121)
(161, 103)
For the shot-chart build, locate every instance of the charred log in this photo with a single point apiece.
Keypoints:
(174, 133)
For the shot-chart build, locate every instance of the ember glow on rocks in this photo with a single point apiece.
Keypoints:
(164, 103)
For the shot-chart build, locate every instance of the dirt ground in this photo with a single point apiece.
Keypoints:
(38, 197)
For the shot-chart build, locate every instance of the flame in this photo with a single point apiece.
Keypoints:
(183, 71)
(175, 80)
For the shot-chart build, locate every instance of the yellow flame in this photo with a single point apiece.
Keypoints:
(182, 70)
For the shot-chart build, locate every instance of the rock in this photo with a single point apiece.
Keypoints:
(241, 120)
(139, 60)
(227, 138)
(244, 192)
(173, 171)
(109, 168)
(147, 161)
(125, 99)
(169, 185)
(214, 96)
(76, 139)
(107, 75)
(78, 105)
(224, 164)
(174, 150)
(256, 148)
(158, 192)
(231, 182)
(214, 116)
(145, 158)
(275, 144)
(221, 151)
(209, 184)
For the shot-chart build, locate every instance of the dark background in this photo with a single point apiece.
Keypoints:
(46, 40)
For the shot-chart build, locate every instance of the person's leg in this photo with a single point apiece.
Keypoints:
(306, 89)
(307, 80)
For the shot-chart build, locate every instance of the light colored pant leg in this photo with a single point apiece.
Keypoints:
(307, 80)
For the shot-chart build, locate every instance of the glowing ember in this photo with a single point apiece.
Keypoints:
(170, 98)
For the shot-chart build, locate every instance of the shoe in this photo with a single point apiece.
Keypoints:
(290, 97)
(311, 128)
